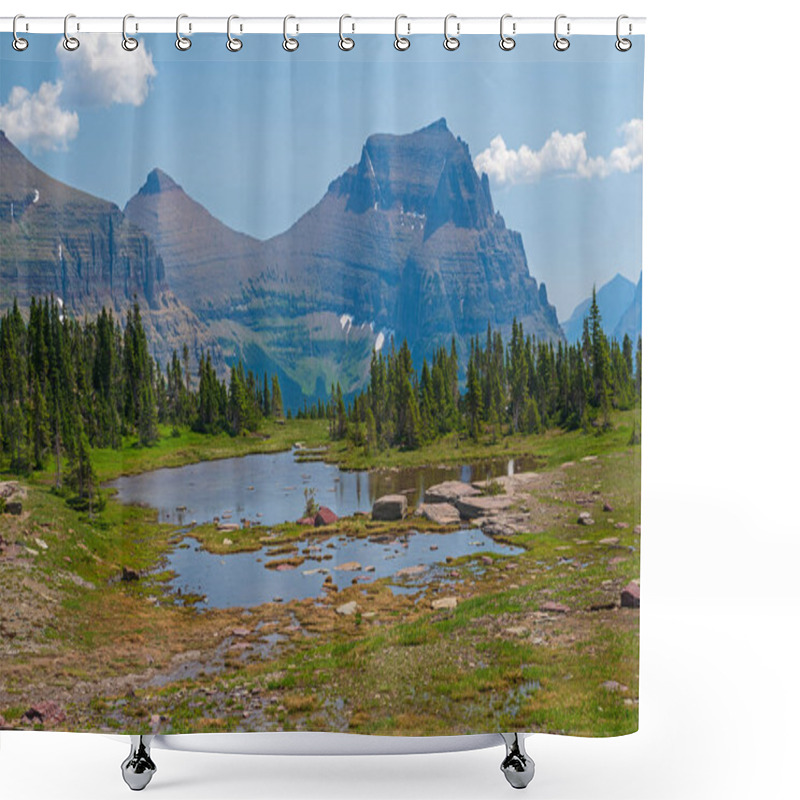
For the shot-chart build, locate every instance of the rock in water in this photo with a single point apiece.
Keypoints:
(390, 507)
(325, 517)
(348, 566)
(450, 492)
(630, 596)
(440, 513)
(473, 507)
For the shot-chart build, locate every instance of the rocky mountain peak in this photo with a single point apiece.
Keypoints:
(158, 182)
(427, 173)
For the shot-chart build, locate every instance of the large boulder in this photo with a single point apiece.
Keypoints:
(473, 507)
(440, 513)
(390, 507)
(324, 517)
(630, 596)
(450, 492)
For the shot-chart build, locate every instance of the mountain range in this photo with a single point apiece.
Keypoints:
(404, 243)
(620, 305)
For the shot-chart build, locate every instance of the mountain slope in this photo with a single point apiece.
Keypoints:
(406, 241)
(630, 321)
(57, 240)
(613, 300)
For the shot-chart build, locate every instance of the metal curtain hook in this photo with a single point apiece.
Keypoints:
(561, 43)
(181, 42)
(290, 44)
(507, 42)
(128, 42)
(451, 42)
(401, 42)
(345, 42)
(70, 42)
(233, 44)
(623, 45)
(19, 44)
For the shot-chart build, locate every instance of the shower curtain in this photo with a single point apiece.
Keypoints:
(320, 384)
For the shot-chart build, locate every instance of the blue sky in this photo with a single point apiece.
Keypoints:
(256, 136)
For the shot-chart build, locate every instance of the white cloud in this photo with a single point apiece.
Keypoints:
(561, 154)
(101, 73)
(37, 117)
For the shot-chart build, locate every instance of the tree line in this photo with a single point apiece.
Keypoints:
(67, 386)
(519, 386)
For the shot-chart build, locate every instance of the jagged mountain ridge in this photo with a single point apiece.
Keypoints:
(58, 240)
(407, 240)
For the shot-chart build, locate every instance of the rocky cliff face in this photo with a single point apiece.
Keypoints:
(409, 239)
(61, 241)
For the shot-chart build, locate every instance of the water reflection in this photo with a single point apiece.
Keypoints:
(267, 488)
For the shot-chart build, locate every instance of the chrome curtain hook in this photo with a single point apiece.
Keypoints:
(19, 44)
(451, 42)
(128, 42)
(233, 44)
(345, 42)
(401, 42)
(290, 44)
(623, 45)
(70, 42)
(507, 42)
(181, 42)
(561, 43)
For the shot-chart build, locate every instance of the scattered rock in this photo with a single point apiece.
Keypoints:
(440, 513)
(488, 560)
(617, 560)
(47, 713)
(607, 507)
(240, 632)
(41, 543)
(630, 596)
(517, 631)
(589, 458)
(227, 542)
(227, 527)
(130, 574)
(415, 570)
(610, 540)
(585, 518)
(444, 603)
(347, 609)
(637, 529)
(620, 526)
(13, 507)
(390, 507)
(325, 517)
(450, 492)
(554, 608)
(348, 566)
(492, 528)
(614, 686)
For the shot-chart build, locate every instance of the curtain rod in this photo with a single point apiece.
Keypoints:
(514, 26)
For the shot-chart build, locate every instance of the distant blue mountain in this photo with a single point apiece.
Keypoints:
(631, 321)
(614, 300)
